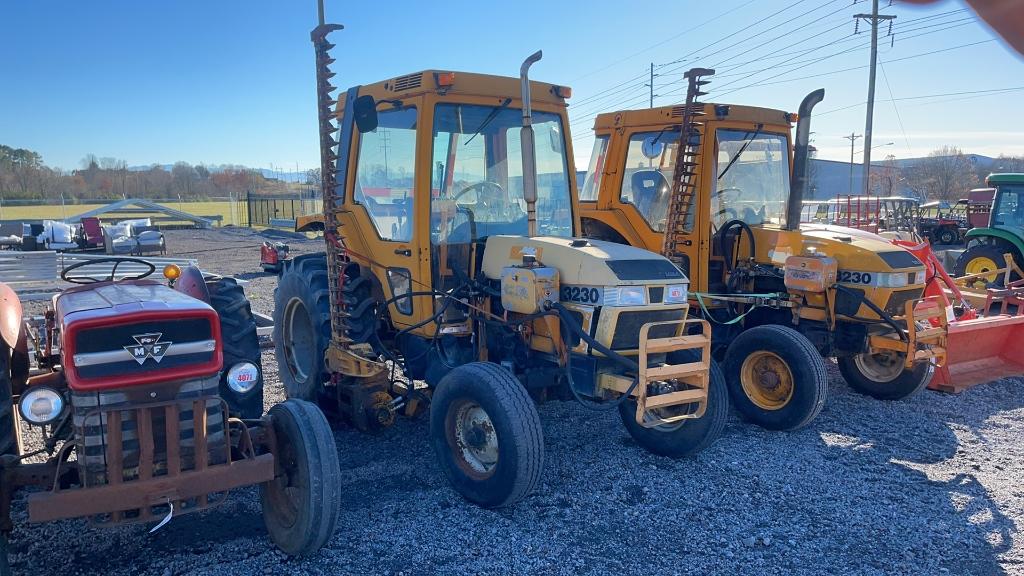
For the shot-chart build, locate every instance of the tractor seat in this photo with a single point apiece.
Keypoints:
(647, 186)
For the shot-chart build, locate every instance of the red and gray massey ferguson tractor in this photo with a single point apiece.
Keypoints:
(148, 397)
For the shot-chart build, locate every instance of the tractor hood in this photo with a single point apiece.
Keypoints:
(582, 261)
(854, 250)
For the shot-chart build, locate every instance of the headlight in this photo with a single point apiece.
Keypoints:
(243, 377)
(401, 284)
(920, 277)
(625, 296)
(41, 405)
(891, 279)
(675, 294)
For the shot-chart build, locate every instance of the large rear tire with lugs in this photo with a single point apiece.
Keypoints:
(10, 437)
(776, 377)
(302, 325)
(885, 376)
(689, 436)
(982, 259)
(241, 346)
(486, 434)
(301, 504)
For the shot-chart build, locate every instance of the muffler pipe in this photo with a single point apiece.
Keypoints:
(801, 159)
(526, 142)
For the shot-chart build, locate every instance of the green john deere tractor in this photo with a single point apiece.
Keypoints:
(987, 246)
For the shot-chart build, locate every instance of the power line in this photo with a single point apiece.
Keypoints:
(665, 41)
(977, 93)
(892, 99)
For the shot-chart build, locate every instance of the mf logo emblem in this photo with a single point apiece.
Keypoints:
(148, 346)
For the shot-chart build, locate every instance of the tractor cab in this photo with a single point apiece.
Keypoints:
(997, 246)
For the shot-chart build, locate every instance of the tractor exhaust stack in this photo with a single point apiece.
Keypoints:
(526, 141)
(801, 158)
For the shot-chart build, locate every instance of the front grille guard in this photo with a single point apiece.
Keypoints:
(696, 375)
(170, 464)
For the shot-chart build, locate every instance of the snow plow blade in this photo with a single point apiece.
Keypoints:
(981, 350)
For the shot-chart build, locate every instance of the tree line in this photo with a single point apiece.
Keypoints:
(24, 176)
(945, 174)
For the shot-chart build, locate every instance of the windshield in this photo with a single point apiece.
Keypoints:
(1008, 210)
(477, 176)
(753, 178)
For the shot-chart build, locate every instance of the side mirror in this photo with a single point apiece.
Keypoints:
(652, 148)
(364, 109)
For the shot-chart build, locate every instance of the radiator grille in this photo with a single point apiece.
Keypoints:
(627, 331)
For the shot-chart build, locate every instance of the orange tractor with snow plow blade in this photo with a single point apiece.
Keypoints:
(718, 189)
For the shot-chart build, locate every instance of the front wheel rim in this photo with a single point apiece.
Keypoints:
(882, 367)
(767, 380)
(472, 439)
(298, 339)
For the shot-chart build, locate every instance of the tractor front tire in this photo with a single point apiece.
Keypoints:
(486, 434)
(301, 504)
(982, 258)
(302, 326)
(884, 376)
(776, 377)
(688, 436)
(241, 344)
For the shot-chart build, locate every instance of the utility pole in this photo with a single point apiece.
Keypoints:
(873, 19)
(651, 85)
(852, 138)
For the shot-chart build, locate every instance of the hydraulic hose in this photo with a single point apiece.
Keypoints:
(723, 235)
(569, 322)
(874, 307)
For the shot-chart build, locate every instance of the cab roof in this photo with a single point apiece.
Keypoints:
(671, 114)
(1005, 178)
(466, 83)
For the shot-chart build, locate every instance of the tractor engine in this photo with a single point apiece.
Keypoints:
(142, 363)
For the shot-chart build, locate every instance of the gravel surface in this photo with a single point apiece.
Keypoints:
(925, 486)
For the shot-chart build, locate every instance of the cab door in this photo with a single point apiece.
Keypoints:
(645, 188)
(380, 226)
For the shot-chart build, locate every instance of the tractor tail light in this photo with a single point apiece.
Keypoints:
(563, 92)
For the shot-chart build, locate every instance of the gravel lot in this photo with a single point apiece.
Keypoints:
(925, 486)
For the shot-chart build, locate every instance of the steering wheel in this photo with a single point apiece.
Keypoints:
(478, 186)
(113, 271)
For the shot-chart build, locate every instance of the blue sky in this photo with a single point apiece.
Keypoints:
(232, 82)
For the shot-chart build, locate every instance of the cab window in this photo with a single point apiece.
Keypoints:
(1009, 210)
(386, 172)
(647, 176)
(595, 171)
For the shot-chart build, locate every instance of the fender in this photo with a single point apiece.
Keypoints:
(10, 316)
(1009, 237)
(191, 282)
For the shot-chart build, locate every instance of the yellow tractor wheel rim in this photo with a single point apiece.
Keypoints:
(767, 380)
(981, 264)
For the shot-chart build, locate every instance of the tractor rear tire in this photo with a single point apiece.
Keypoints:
(487, 434)
(302, 326)
(776, 377)
(883, 376)
(241, 344)
(10, 433)
(302, 503)
(946, 236)
(686, 437)
(981, 258)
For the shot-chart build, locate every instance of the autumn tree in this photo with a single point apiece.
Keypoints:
(945, 174)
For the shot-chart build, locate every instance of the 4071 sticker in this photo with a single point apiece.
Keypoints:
(855, 277)
(581, 294)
